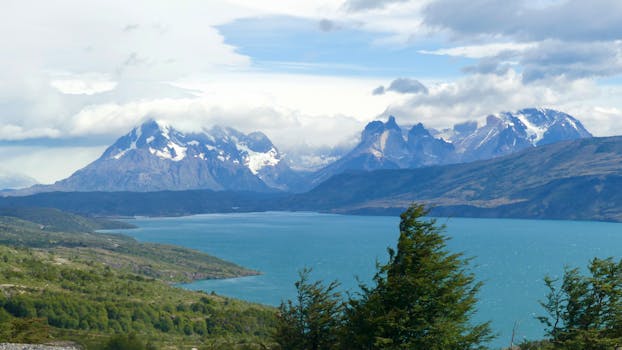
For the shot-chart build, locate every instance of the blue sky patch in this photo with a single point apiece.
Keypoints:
(295, 45)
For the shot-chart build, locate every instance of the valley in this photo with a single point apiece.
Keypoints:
(311, 175)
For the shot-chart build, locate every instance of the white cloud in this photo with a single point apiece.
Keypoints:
(475, 96)
(300, 8)
(290, 107)
(303, 112)
(364, 5)
(480, 51)
(116, 67)
(46, 164)
(83, 84)
(167, 40)
(599, 120)
(17, 132)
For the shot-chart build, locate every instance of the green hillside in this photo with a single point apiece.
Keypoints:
(87, 287)
(67, 299)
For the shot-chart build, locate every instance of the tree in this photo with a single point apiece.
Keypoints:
(585, 312)
(311, 322)
(423, 297)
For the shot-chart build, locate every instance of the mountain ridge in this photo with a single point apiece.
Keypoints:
(154, 156)
(577, 180)
(536, 183)
(387, 146)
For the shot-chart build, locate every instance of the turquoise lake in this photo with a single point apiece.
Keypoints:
(511, 257)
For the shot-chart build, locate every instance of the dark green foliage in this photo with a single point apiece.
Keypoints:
(311, 322)
(423, 297)
(585, 312)
(534, 345)
(42, 295)
(127, 342)
(118, 303)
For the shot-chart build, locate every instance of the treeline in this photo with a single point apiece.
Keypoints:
(199, 318)
(424, 297)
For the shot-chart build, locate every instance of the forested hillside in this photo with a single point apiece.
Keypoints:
(87, 287)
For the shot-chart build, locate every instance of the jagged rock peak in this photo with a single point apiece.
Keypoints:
(391, 124)
(418, 130)
(377, 127)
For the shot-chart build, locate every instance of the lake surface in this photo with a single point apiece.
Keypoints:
(511, 257)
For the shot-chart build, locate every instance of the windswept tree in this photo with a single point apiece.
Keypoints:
(423, 298)
(313, 320)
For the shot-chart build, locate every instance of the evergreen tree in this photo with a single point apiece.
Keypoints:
(311, 322)
(423, 297)
(585, 312)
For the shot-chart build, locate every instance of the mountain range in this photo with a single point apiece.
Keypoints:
(155, 156)
(387, 146)
(578, 179)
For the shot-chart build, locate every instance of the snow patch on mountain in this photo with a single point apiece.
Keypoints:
(535, 132)
(135, 135)
(255, 161)
(172, 151)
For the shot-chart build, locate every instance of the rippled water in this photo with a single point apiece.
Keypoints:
(511, 257)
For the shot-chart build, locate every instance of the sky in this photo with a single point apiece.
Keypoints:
(77, 75)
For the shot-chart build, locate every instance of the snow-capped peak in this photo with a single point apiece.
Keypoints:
(253, 151)
(158, 137)
(543, 125)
